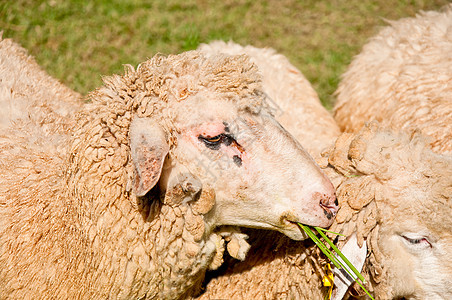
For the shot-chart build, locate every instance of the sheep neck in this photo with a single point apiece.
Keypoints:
(138, 247)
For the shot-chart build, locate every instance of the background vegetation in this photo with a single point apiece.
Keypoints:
(78, 41)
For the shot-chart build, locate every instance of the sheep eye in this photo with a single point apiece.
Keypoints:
(420, 241)
(215, 139)
(213, 143)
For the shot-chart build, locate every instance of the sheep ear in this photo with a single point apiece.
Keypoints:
(148, 148)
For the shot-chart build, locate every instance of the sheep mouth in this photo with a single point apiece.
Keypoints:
(293, 230)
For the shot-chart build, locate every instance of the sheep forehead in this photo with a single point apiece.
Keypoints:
(220, 72)
(204, 107)
(379, 145)
(421, 206)
(410, 171)
(177, 78)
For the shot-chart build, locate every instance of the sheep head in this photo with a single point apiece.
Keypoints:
(213, 123)
(397, 193)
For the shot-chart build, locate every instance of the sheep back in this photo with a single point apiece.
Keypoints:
(402, 79)
(29, 94)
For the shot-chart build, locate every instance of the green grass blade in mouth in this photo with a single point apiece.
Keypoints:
(326, 230)
(347, 262)
(319, 244)
(343, 263)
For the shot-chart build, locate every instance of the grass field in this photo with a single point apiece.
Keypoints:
(78, 41)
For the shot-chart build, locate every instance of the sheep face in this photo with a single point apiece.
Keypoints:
(417, 261)
(261, 176)
(403, 191)
(415, 238)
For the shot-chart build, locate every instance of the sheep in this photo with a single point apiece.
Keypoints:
(289, 93)
(395, 194)
(29, 94)
(160, 167)
(381, 176)
(409, 229)
(403, 79)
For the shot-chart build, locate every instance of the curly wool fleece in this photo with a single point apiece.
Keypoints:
(403, 79)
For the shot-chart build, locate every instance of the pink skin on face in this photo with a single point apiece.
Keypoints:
(211, 130)
(207, 130)
(234, 150)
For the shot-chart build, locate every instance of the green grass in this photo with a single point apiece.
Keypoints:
(334, 253)
(78, 41)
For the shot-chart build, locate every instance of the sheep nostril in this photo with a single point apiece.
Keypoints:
(329, 206)
(327, 213)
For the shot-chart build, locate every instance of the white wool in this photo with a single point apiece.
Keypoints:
(402, 79)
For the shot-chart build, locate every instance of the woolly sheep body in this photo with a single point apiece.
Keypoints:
(29, 94)
(370, 182)
(71, 225)
(402, 78)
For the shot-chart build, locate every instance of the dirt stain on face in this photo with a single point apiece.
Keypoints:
(237, 160)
